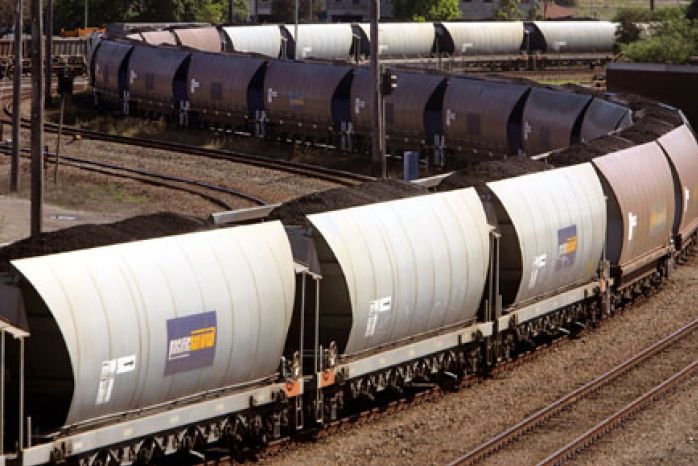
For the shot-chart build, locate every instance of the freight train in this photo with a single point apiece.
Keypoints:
(497, 43)
(489, 45)
(330, 102)
(239, 336)
(70, 54)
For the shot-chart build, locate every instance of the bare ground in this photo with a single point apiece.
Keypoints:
(94, 197)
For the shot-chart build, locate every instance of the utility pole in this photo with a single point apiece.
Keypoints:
(378, 165)
(49, 49)
(87, 10)
(16, 100)
(310, 11)
(651, 5)
(37, 126)
(230, 11)
(295, 34)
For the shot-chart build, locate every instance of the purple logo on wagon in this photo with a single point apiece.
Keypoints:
(191, 342)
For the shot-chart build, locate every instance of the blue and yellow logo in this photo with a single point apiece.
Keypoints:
(191, 342)
(566, 247)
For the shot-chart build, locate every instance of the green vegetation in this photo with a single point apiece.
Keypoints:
(426, 10)
(670, 35)
(69, 14)
(508, 10)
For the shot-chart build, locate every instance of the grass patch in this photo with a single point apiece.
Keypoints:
(83, 192)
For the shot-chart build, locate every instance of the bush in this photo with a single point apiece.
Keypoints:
(673, 39)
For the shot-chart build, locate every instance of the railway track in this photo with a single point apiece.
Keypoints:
(339, 177)
(533, 424)
(424, 394)
(191, 186)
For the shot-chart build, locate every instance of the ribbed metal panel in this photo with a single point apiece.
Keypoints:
(109, 58)
(602, 117)
(322, 41)
(152, 321)
(479, 110)
(304, 90)
(207, 39)
(221, 81)
(397, 269)
(681, 147)
(550, 118)
(577, 36)
(553, 227)
(640, 190)
(265, 40)
(151, 72)
(402, 39)
(159, 37)
(486, 37)
(405, 108)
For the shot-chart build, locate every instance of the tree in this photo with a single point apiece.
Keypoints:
(426, 10)
(534, 13)
(240, 11)
(692, 10)
(68, 14)
(284, 11)
(7, 14)
(672, 38)
(507, 10)
(628, 20)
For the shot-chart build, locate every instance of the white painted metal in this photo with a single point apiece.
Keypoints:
(408, 266)
(323, 41)
(403, 39)
(123, 311)
(578, 36)
(546, 306)
(118, 432)
(265, 40)
(415, 350)
(559, 221)
(242, 215)
(486, 37)
(431, 181)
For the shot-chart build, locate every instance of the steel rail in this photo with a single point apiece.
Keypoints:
(152, 178)
(519, 429)
(614, 421)
(340, 177)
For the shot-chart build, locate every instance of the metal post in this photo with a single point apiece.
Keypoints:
(256, 11)
(2, 392)
(58, 141)
(295, 35)
(37, 124)
(302, 323)
(21, 394)
(378, 164)
(87, 13)
(310, 10)
(230, 11)
(49, 50)
(318, 354)
(16, 99)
